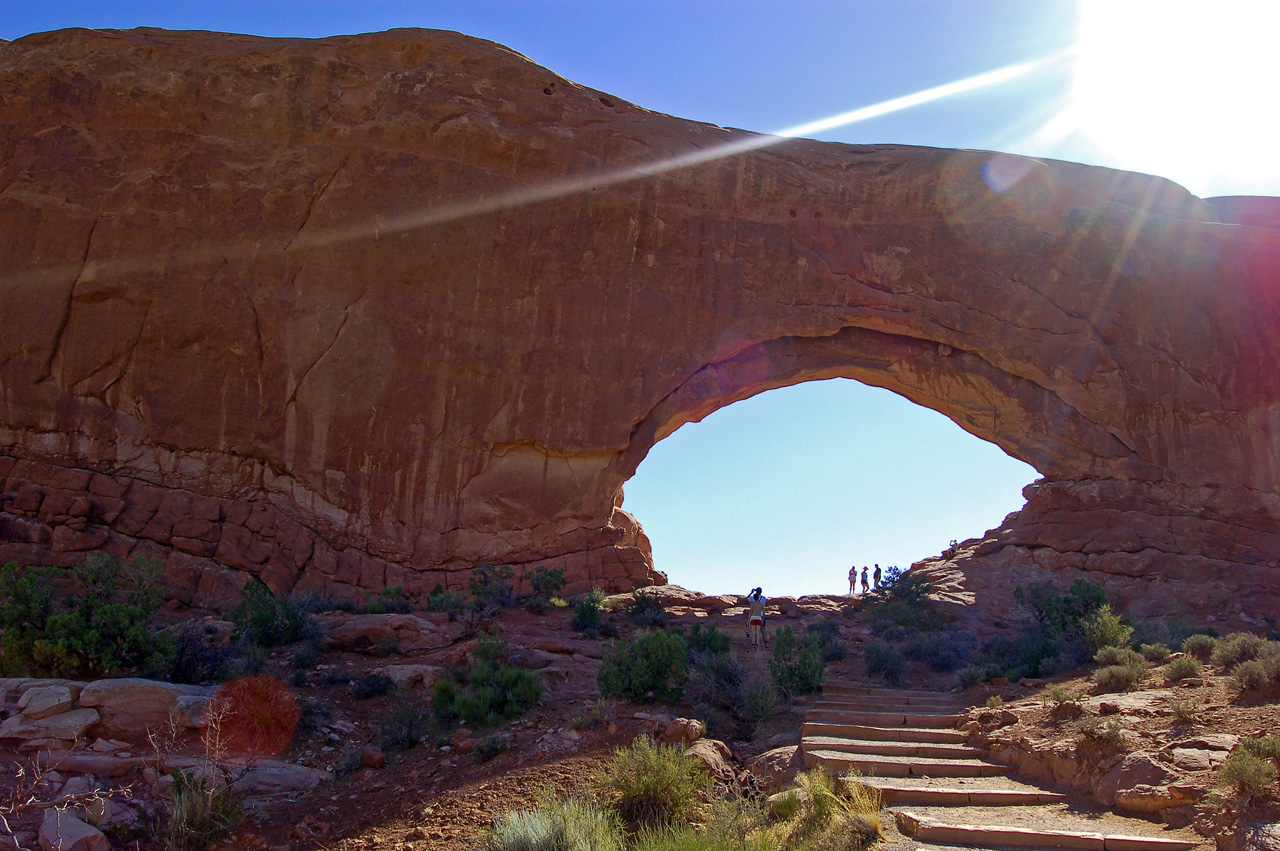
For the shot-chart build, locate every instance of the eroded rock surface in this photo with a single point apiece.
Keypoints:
(367, 310)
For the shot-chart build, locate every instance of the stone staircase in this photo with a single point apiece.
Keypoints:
(943, 792)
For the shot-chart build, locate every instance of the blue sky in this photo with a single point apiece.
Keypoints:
(787, 489)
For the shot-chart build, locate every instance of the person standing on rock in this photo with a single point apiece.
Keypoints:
(755, 618)
(865, 585)
(853, 579)
(875, 578)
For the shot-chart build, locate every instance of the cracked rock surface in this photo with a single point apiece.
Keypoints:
(367, 310)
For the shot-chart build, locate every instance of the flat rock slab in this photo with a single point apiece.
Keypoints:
(930, 830)
(892, 734)
(41, 702)
(61, 831)
(65, 726)
(134, 705)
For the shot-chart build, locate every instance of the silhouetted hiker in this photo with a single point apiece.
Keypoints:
(865, 586)
(853, 579)
(755, 618)
(875, 578)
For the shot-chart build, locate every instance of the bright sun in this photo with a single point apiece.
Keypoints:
(1181, 88)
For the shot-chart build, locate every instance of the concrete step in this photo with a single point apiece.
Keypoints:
(957, 792)
(947, 700)
(881, 719)
(847, 687)
(845, 744)
(926, 829)
(904, 766)
(932, 735)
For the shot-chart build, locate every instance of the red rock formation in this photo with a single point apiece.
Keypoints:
(371, 309)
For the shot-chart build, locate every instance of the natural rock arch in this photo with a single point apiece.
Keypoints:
(370, 309)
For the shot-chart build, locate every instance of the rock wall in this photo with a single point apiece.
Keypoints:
(371, 309)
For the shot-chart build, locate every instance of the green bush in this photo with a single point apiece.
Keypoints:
(1238, 647)
(202, 811)
(975, 673)
(491, 586)
(569, 824)
(1157, 654)
(1246, 773)
(450, 602)
(268, 621)
(487, 747)
(1200, 646)
(1112, 655)
(94, 618)
(648, 784)
(825, 635)
(1263, 747)
(944, 650)
(833, 819)
(1182, 668)
(1250, 675)
(546, 582)
(652, 667)
(1116, 678)
(405, 721)
(389, 599)
(1107, 732)
(1104, 628)
(646, 609)
(371, 685)
(884, 662)
(711, 640)
(795, 670)
(718, 681)
(487, 692)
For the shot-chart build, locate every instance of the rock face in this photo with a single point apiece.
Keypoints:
(368, 310)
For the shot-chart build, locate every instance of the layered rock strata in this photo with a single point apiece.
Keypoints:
(368, 310)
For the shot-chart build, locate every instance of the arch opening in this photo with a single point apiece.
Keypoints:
(788, 488)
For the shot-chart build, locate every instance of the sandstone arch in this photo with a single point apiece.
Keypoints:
(363, 310)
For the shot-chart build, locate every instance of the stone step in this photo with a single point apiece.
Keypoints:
(898, 699)
(905, 766)
(844, 744)
(932, 735)
(881, 719)
(957, 792)
(925, 829)
(845, 687)
(884, 707)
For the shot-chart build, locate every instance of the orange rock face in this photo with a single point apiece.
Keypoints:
(368, 310)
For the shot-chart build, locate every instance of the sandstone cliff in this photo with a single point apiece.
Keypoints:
(367, 310)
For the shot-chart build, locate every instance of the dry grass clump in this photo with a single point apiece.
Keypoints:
(1182, 668)
(1246, 773)
(651, 785)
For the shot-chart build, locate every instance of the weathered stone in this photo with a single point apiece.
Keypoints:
(40, 703)
(1134, 771)
(682, 731)
(65, 725)
(61, 831)
(132, 705)
(409, 633)
(269, 777)
(372, 757)
(716, 757)
(410, 676)
(776, 769)
(1102, 326)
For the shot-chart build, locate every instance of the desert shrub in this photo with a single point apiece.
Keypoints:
(1263, 747)
(884, 662)
(1112, 655)
(546, 582)
(94, 618)
(1107, 732)
(718, 681)
(371, 685)
(795, 669)
(646, 609)
(825, 635)
(649, 784)
(830, 820)
(244, 658)
(586, 618)
(1114, 678)
(405, 722)
(1184, 709)
(652, 667)
(389, 599)
(194, 660)
(1200, 646)
(975, 673)
(1156, 654)
(487, 747)
(450, 602)
(1250, 675)
(1240, 647)
(489, 690)
(568, 824)
(995, 701)
(710, 641)
(944, 650)
(304, 658)
(491, 586)
(1058, 695)
(1246, 773)
(1104, 628)
(268, 621)
(202, 811)
(1182, 668)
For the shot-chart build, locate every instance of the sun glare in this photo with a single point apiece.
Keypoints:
(1180, 88)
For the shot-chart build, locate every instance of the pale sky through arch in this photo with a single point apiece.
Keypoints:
(1176, 87)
